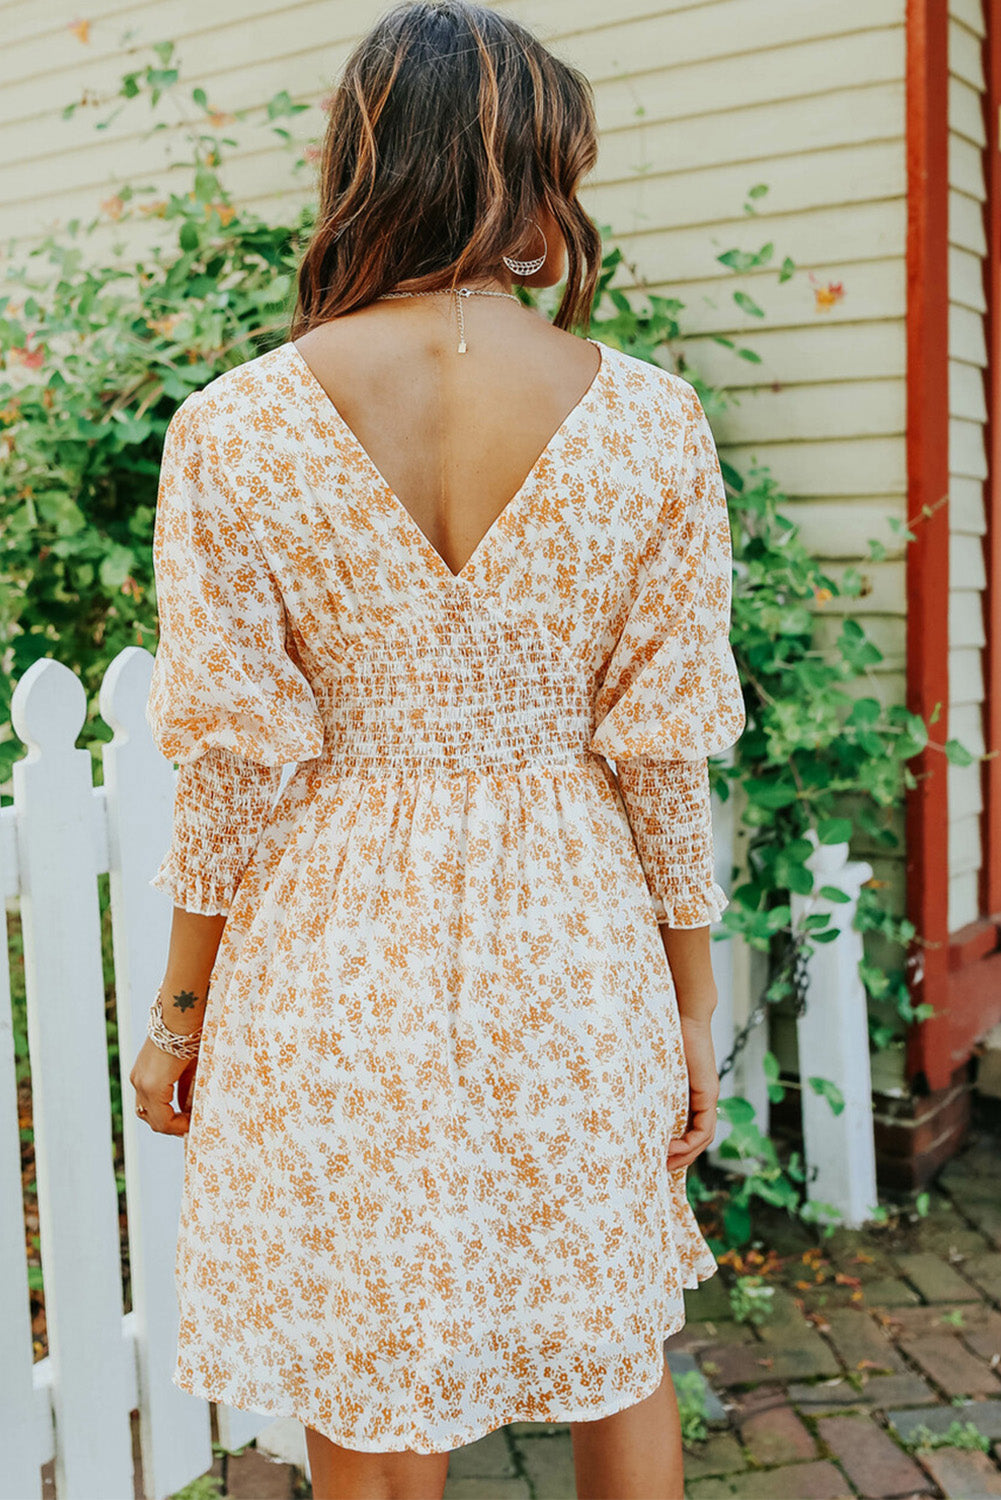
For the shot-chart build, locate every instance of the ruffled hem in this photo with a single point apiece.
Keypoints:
(236, 1394)
(192, 890)
(694, 909)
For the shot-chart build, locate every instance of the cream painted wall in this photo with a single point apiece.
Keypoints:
(698, 100)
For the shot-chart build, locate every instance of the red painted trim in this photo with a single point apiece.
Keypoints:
(927, 809)
(990, 888)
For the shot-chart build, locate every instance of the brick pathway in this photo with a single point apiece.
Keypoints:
(873, 1335)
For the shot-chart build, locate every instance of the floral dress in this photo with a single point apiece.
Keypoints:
(425, 1188)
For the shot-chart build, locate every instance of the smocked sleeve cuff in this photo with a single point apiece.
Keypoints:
(221, 804)
(669, 810)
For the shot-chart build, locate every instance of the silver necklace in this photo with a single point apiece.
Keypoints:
(458, 292)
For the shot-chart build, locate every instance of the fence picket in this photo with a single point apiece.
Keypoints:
(77, 1197)
(833, 1035)
(175, 1434)
(20, 1472)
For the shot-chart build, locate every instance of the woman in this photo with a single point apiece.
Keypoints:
(449, 560)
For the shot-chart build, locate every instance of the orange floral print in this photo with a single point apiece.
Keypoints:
(425, 1186)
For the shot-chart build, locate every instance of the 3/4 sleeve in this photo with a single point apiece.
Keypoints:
(670, 696)
(228, 701)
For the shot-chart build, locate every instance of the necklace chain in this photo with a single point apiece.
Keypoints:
(458, 292)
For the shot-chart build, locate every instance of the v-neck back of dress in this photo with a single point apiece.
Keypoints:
(327, 412)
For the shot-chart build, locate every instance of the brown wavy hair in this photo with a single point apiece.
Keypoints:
(450, 125)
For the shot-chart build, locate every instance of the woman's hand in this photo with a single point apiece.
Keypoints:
(154, 1076)
(703, 1093)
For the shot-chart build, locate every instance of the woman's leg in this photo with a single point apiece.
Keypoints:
(345, 1474)
(634, 1454)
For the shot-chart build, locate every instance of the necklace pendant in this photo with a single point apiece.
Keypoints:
(462, 347)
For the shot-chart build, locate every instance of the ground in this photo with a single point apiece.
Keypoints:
(874, 1335)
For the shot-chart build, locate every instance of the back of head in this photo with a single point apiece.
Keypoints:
(450, 126)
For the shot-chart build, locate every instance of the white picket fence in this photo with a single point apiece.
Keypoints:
(62, 833)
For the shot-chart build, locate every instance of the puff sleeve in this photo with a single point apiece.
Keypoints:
(670, 696)
(227, 701)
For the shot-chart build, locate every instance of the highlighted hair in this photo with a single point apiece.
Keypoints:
(450, 127)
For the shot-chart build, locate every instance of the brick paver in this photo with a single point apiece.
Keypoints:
(985, 1416)
(952, 1367)
(961, 1474)
(985, 1272)
(862, 1343)
(935, 1279)
(777, 1437)
(871, 1459)
(816, 1481)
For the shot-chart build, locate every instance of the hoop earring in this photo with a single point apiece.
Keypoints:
(529, 267)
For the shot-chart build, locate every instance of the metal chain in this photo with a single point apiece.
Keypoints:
(794, 962)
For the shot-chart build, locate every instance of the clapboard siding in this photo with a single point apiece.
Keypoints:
(967, 451)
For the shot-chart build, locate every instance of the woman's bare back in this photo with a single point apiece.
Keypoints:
(453, 436)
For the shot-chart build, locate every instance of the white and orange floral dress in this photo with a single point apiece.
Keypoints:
(425, 1187)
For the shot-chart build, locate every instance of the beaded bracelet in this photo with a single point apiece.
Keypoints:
(171, 1041)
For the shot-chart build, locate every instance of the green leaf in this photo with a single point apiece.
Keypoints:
(957, 754)
(829, 1091)
(748, 305)
(737, 1111)
(834, 893)
(835, 831)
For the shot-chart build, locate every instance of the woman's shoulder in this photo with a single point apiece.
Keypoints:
(241, 399)
(647, 387)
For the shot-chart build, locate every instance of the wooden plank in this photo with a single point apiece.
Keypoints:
(962, 902)
(874, 230)
(823, 409)
(969, 13)
(837, 118)
(966, 223)
(662, 90)
(843, 175)
(964, 846)
(844, 351)
(834, 527)
(967, 449)
(967, 334)
(966, 279)
(967, 511)
(964, 795)
(854, 466)
(966, 167)
(966, 112)
(966, 618)
(968, 727)
(964, 53)
(873, 290)
(966, 683)
(967, 397)
(885, 631)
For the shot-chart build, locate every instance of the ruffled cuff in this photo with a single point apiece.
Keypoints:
(221, 804)
(669, 809)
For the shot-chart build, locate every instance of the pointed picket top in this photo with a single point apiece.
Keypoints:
(49, 707)
(124, 691)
